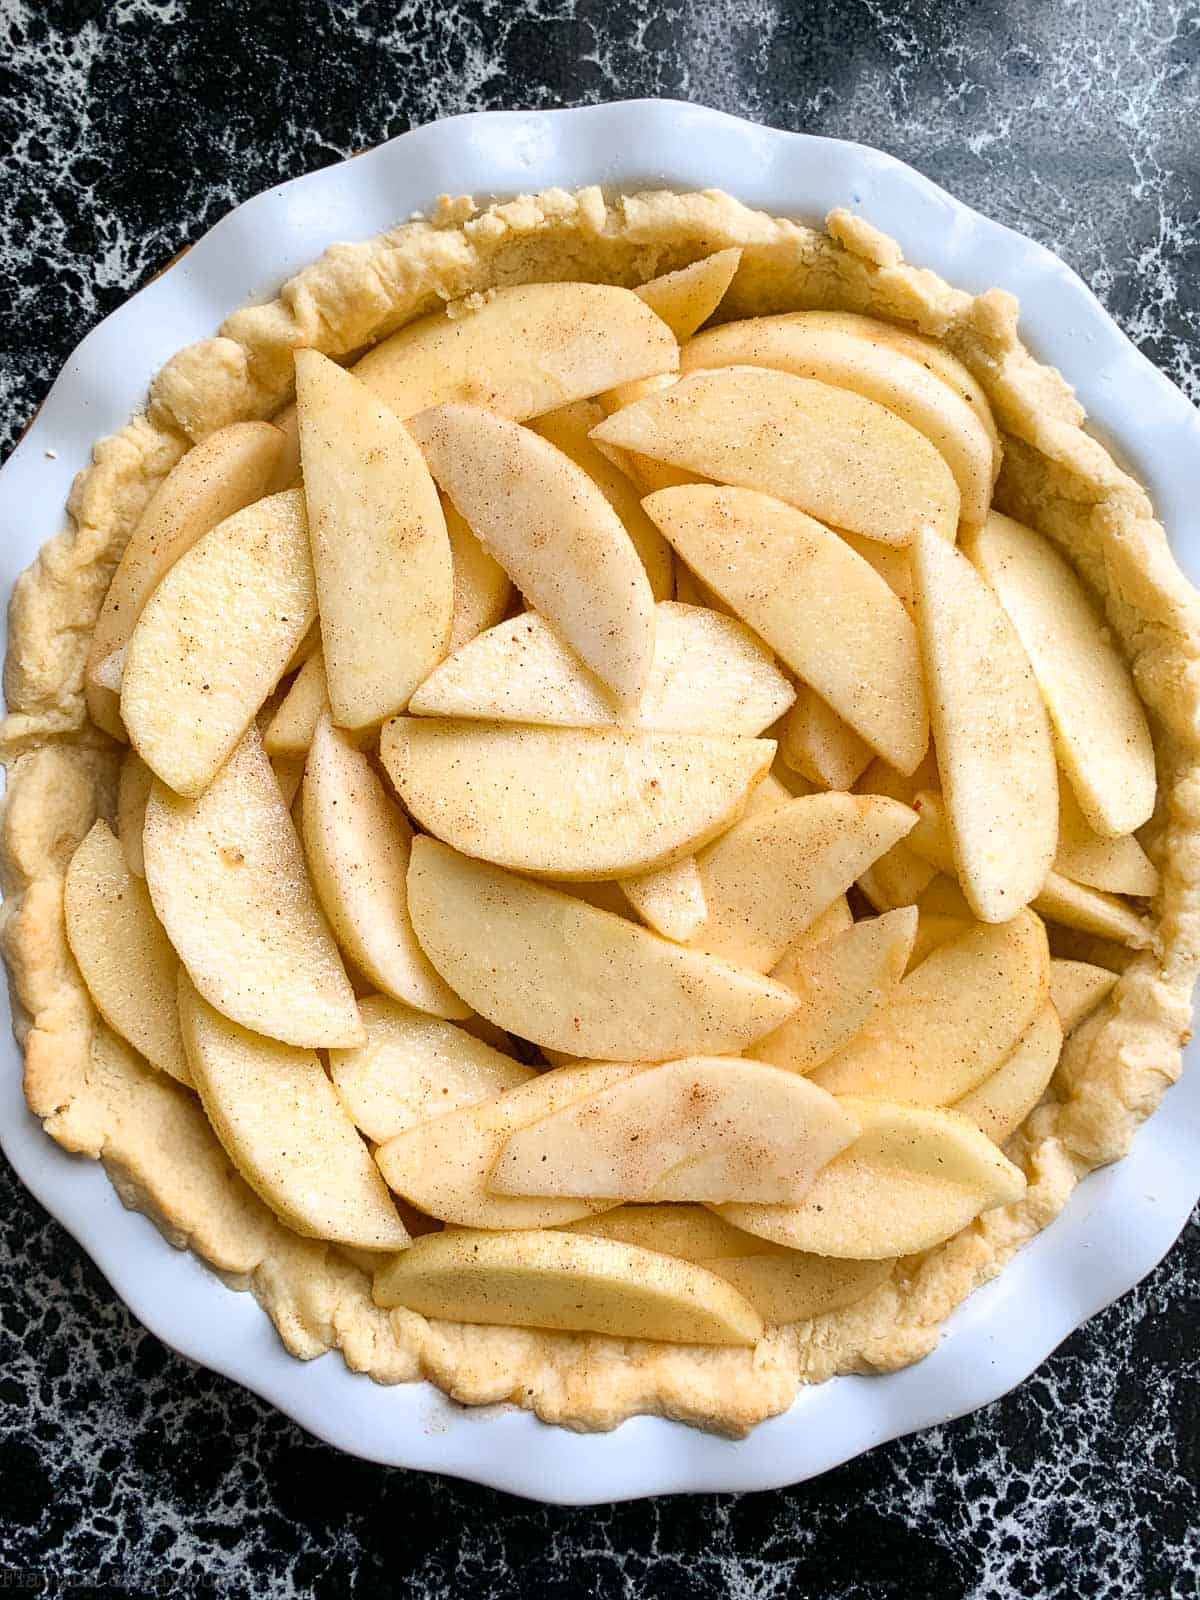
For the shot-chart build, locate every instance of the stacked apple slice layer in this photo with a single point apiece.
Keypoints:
(607, 836)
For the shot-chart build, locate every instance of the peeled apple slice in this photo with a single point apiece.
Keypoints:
(951, 1021)
(569, 1283)
(214, 639)
(773, 873)
(550, 968)
(569, 802)
(841, 985)
(284, 1128)
(380, 551)
(133, 791)
(125, 957)
(1091, 911)
(444, 1166)
(804, 343)
(815, 742)
(1076, 989)
(708, 674)
(644, 471)
(670, 899)
(794, 1286)
(414, 1067)
(914, 1177)
(687, 298)
(691, 1232)
(1100, 727)
(548, 525)
(523, 351)
(699, 1129)
(1116, 865)
(290, 731)
(827, 612)
(482, 590)
(226, 875)
(1000, 1104)
(222, 474)
(357, 843)
(992, 735)
(831, 453)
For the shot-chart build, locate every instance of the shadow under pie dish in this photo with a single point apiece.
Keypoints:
(902, 841)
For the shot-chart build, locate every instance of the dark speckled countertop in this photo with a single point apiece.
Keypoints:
(129, 126)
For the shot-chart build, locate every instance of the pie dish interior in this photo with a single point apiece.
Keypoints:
(97, 1098)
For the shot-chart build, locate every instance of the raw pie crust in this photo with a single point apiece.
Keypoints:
(97, 1097)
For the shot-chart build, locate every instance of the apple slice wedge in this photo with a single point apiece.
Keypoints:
(358, 844)
(133, 791)
(290, 731)
(999, 1105)
(669, 899)
(553, 969)
(914, 1177)
(123, 953)
(226, 875)
(687, 298)
(444, 1166)
(222, 474)
(826, 451)
(482, 590)
(804, 343)
(214, 639)
(796, 1286)
(826, 611)
(414, 1067)
(521, 351)
(691, 1232)
(380, 551)
(570, 802)
(951, 1021)
(1076, 989)
(816, 743)
(1116, 865)
(286, 1131)
(992, 735)
(841, 983)
(1100, 727)
(567, 429)
(773, 873)
(707, 1129)
(548, 525)
(708, 674)
(565, 1282)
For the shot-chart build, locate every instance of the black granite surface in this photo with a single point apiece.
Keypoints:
(127, 128)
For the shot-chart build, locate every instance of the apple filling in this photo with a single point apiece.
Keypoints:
(668, 708)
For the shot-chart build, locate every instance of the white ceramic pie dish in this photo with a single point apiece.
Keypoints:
(1120, 1221)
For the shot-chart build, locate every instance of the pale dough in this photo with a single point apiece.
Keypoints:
(96, 1096)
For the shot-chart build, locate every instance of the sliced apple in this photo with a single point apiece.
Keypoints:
(804, 343)
(830, 453)
(1000, 1104)
(553, 532)
(522, 351)
(934, 929)
(289, 774)
(794, 1286)
(125, 957)
(830, 616)
(835, 919)
(482, 591)
(444, 1166)
(380, 551)
(1100, 727)
(1092, 911)
(290, 731)
(644, 471)
(814, 741)
(894, 566)
(992, 735)
(561, 1281)
(707, 1129)
(214, 639)
(133, 791)
(690, 590)
(669, 899)
(570, 802)
(914, 1177)
(358, 845)
(686, 299)
(1076, 989)
(286, 1131)
(414, 1067)
(898, 878)
(770, 791)
(691, 1232)
(552, 969)
(773, 873)
(951, 1021)
(226, 875)
(708, 674)
(567, 429)
(225, 472)
(841, 983)
(287, 473)
(1117, 865)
